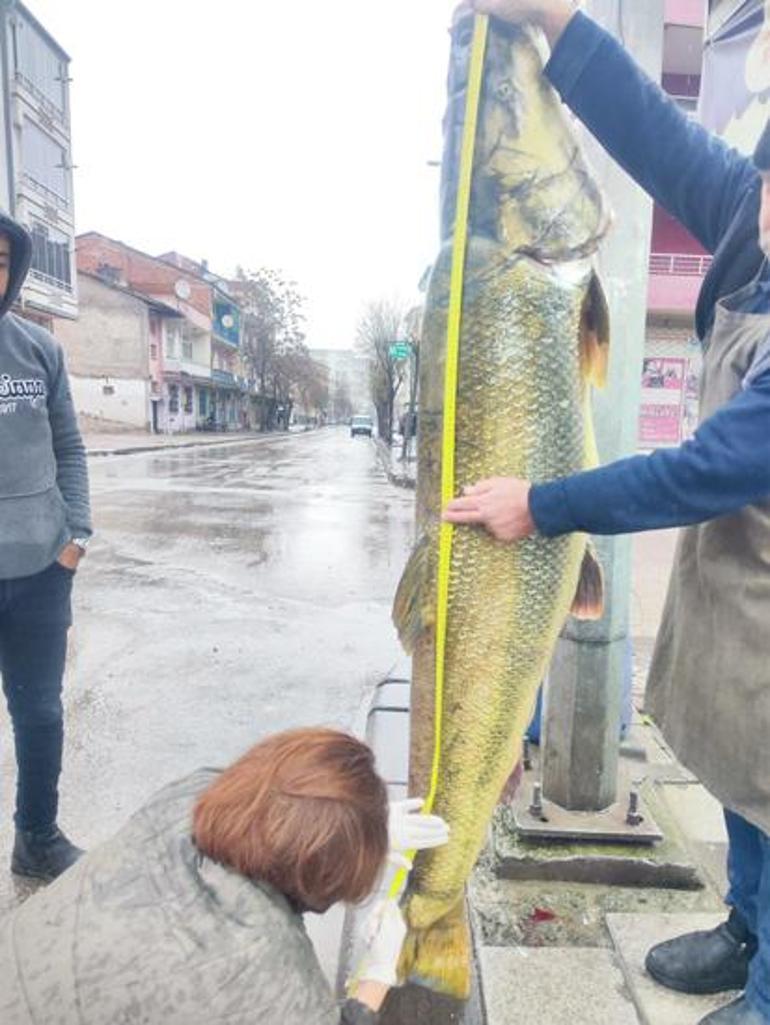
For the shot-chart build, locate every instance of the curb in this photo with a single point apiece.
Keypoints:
(401, 480)
(134, 449)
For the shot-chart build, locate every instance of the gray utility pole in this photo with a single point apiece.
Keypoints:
(583, 697)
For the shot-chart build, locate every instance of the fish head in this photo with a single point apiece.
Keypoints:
(532, 190)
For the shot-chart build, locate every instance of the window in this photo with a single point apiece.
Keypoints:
(153, 350)
(38, 65)
(173, 339)
(188, 400)
(51, 256)
(173, 398)
(187, 349)
(44, 161)
(203, 403)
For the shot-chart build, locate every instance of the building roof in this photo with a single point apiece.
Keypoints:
(148, 300)
(212, 280)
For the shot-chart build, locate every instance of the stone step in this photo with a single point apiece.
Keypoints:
(554, 986)
(633, 935)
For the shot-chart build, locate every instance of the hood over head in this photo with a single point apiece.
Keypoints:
(21, 255)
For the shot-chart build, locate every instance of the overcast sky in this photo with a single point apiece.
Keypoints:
(290, 134)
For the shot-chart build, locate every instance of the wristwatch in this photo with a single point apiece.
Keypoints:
(81, 543)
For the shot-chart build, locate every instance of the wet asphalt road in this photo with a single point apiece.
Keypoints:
(230, 591)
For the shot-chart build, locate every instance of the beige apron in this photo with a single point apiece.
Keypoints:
(709, 683)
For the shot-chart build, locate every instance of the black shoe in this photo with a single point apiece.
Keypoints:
(739, 1012)
(705, 962)
(43, 855)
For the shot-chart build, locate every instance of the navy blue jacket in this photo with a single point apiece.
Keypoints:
(715, 193)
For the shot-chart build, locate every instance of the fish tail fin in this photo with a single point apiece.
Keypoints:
(413, 604)
(589, 597)
(439, 957)
(595, 334)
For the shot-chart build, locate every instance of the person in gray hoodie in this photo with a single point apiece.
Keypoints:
(45, 524)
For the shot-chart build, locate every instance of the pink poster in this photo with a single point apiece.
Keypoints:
(663, 381)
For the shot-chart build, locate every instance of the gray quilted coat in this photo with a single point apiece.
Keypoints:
(145, 931)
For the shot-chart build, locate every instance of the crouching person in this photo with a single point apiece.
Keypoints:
(193, 912)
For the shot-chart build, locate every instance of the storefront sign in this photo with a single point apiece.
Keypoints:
(663, 382)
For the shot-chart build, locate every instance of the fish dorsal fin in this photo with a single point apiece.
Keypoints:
(414, 604)
(595, 334)
(589, 597)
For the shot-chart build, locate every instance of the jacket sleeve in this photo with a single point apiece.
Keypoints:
(725, 467)
(355, 1013)
(689, 171)
(70, 453)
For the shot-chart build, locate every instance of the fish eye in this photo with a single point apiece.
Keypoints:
(505, 90)
(465, 35)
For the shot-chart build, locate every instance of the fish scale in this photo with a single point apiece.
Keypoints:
(533, 338)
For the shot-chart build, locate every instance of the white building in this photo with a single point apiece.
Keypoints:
(36, 171)
(350, 369)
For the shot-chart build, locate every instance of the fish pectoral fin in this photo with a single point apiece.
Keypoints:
(595, 334)
(413, 606)
(589, 597)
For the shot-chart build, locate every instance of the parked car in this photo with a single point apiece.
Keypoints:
(361, 425)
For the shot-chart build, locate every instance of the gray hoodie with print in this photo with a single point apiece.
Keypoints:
(44, 499)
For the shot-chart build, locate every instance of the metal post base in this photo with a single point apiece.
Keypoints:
(626, 822)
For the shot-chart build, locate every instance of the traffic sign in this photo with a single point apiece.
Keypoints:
(401, 350)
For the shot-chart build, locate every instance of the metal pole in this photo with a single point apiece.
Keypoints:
(414, 370)
(583, 696)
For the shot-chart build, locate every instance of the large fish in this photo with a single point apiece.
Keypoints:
(534, 338)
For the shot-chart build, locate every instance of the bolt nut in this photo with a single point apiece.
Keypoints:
(634, 817)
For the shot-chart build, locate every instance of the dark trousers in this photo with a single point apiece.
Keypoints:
(35, 615)
(748, 867)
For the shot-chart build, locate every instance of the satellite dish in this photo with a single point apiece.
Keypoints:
(182, 289)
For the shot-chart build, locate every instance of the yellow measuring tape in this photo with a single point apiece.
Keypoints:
(457, 283)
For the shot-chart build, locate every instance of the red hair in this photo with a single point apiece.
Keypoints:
(304, 811)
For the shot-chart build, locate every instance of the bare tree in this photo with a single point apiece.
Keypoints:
(273, 340)
(382, 324)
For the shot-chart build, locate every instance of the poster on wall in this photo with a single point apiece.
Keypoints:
(663, 393)
(735, 91)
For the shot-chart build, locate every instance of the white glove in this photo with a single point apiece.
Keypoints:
(410, 830)
(384, 933)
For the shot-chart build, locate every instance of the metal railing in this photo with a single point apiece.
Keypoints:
(679, 265)
(48, 279)
(53, 111)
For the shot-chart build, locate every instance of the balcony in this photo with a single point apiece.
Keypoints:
(223, 377)
(675, 281)
(175, 367)
(680, 264)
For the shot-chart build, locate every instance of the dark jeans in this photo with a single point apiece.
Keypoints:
(35, 614)
(748, 867)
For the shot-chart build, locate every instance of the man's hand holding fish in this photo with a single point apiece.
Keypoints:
(553, 16)
(500, 504)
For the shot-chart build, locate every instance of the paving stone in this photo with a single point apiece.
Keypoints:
(555, 986)
(699, 815)
(633, 935)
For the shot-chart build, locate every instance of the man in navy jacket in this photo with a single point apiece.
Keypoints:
(717, 486)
